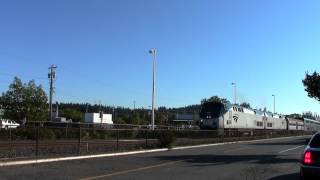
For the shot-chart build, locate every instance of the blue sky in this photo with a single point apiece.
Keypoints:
(101, 49)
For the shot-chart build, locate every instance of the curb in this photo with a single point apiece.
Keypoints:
(37, 161)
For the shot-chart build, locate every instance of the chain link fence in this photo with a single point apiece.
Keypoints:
(45, 140)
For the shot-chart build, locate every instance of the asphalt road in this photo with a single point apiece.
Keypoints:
(270, 159)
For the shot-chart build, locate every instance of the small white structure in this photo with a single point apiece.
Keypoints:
(98, 118)
(57, 118)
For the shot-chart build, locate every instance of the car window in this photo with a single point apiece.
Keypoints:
(315, 142)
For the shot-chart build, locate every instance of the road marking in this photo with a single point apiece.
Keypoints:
(36, 161)
(236, 149)
(131, 170)
(290, 149)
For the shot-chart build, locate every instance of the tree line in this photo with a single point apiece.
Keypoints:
(28, 101)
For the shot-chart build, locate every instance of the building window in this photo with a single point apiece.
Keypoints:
(259, 123)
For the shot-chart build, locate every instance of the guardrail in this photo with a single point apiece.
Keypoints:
(40, 141)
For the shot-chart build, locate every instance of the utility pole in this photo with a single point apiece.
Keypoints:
(153, 52)
(235, 92)
(113, 114)
(134, 105)
(87, 106)
(52, 77)
(57, 110)
(99, 106)
(274, 103)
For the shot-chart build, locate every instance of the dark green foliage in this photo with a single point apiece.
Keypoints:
(24, 101)
(215, 99)
(98, 134)
(46, 134)
(245, 105)
(309, 115)
(32, 134)
(166, 138)
(312, 85)
(72, 113)
(122, 115)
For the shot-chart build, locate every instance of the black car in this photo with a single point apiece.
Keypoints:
(310, 161)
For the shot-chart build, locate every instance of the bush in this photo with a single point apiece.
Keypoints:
(166, 138)
(46, 134)
(31, 134)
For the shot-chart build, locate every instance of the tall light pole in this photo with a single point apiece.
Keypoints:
(274, 103)
(114, 114)
(134, 105)
(235, 92)
(153, 52)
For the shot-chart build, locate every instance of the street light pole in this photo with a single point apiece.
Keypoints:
(274, 103)
(153, 53)
(134, 105)
(235, 93)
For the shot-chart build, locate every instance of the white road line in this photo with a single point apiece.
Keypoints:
(290, 149)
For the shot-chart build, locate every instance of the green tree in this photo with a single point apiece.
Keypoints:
(24, 101)
(74, 114)
(312, 85)
(245, 105)
(215, 99)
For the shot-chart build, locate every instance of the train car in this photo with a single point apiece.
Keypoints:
(226, 116)
(311, 125)
(274, 121)
(295, 123)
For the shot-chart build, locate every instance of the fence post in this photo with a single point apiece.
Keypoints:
(67, 131)
(223, 134)
(10, 141)
(265, 133)
(146, 139)
(37, 141)
(79, 140)
(117, 139)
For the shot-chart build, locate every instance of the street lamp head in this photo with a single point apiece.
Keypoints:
(233, 83)
(152, 51)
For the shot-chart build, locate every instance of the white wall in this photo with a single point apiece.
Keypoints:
(95, 118)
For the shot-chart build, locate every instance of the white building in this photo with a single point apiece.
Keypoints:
(184, 120)
(98, 118)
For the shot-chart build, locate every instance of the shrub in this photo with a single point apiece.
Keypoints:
(46, 134)
(31, 134)
(166, 138)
